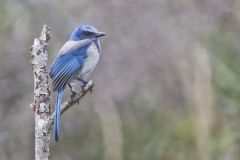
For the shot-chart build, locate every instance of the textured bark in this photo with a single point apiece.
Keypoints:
(41, 105)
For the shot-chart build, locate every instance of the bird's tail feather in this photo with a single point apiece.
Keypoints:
(57, 114)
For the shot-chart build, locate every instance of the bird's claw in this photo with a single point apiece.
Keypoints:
(83, 89)
(72, 97)
(91, 90)
(73, 94)
(87, 87)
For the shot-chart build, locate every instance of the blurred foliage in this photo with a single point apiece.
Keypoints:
(144, 105)
(151, 134)
(226, 75)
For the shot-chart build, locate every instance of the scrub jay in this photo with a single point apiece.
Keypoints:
(76, 60)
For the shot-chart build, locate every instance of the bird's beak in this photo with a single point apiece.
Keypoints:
(100, 34)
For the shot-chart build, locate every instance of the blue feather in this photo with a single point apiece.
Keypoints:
(69, 64)
(64, 69)
(57, 114)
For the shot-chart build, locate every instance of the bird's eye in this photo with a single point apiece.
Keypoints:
(88, 33)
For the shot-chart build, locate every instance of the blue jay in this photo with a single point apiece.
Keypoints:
(76, 60)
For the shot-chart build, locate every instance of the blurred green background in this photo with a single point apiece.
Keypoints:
(167, 86)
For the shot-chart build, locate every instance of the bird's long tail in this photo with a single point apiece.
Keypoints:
(57, 114)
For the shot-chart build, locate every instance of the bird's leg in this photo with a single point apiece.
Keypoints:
(73, 93)
(84, 83)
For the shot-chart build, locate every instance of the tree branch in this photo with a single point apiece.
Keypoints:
(71, 102)
(41, 104)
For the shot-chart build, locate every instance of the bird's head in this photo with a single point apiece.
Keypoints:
(86, 32)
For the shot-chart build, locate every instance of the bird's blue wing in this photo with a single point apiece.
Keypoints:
(67, 66)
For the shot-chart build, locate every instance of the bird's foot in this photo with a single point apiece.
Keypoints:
(73, 94)
(87, 87)
(83, 89)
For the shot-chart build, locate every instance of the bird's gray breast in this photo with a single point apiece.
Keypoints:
(89, 64)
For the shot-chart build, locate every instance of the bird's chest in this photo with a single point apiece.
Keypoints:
(90, 62)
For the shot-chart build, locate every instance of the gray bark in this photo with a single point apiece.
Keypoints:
(41, 105)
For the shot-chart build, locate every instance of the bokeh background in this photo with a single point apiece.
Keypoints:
(167, 86)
